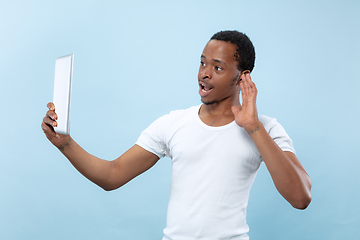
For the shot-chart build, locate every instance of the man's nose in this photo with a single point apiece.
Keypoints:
(205, 73)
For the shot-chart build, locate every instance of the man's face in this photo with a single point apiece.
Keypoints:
(218, 73)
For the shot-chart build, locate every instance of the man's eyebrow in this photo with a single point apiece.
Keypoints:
(215, 60)
(219, 61)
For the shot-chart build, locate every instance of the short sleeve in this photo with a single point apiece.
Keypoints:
(153, 138)
(278, 134)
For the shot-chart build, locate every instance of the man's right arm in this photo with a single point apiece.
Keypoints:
(109, 175)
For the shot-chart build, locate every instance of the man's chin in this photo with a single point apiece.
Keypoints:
(209, 102)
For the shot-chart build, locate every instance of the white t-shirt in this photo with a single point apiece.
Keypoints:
(213, 169)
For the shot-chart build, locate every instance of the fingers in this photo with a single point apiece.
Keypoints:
(247, 86)
(48, 124)
(51, 106)
(51, 113)
(49, 131)
(49, 121)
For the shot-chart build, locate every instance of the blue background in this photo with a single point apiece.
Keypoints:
(137, 60)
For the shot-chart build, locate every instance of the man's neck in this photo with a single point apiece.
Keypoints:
(218, 114)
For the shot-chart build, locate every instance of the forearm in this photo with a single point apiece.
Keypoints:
(97, 170)
(107, 174)
(288, 175)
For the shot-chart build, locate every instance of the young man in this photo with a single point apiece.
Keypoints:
(216, 149)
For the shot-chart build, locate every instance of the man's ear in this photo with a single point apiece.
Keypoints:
(242, 75)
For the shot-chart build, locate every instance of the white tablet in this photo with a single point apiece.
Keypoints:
(62, 92)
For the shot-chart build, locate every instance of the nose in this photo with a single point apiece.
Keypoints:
(204, 72)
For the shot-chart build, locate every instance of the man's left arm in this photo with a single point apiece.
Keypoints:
(289, 176)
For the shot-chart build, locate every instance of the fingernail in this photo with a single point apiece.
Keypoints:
(57, 136)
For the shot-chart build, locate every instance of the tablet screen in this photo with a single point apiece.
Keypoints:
(62, 92)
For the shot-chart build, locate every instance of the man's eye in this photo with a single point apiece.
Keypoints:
(218, 68)
(202, 64)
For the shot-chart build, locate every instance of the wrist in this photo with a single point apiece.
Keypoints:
(64, 144)
(253, 128)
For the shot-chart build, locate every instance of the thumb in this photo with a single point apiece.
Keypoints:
(235, 110)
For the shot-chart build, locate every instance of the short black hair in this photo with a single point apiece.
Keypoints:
(245, 51)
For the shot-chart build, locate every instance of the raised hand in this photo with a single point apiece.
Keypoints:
(247, 116)
(48, 124)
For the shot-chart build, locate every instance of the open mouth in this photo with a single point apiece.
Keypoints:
(204, 87)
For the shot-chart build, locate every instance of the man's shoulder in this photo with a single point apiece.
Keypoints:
(268, 122)
(179, 116)
(265, 119)
(186, 111)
